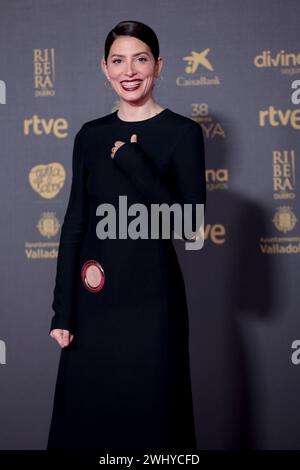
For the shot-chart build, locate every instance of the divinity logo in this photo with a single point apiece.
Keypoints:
(163, 219)
(2, 92)
(2, 352)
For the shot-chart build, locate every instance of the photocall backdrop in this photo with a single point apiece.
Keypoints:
(230, 67)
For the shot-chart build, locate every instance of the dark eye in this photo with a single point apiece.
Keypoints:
(114, 61)
(143, 58)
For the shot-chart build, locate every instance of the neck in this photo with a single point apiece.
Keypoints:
(136, 112)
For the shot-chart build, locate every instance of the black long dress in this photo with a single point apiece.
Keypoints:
(123, 384)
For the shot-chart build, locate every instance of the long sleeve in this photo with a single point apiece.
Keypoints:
(72, 231)
(187, 166)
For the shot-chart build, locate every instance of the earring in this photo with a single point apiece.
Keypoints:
(107, 85)
(159, 80)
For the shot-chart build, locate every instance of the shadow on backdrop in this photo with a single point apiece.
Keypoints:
(228, 283)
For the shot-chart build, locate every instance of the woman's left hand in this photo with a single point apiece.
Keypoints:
(119, 143)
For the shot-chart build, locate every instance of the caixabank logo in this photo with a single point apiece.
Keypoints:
(44, 72)
(198, 70)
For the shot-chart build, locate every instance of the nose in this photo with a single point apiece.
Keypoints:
(130, 69)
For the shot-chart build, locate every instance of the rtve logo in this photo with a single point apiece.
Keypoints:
(216, 233)
(277, 117)
(2, 352)
(2, 92)
(40, 126)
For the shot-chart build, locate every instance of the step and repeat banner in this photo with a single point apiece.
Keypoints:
(234, 68)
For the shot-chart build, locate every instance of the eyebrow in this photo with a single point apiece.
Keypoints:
(133, 55)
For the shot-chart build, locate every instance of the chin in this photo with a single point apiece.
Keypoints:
(132, 99)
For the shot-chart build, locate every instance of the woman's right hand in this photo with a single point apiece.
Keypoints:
(63, 337)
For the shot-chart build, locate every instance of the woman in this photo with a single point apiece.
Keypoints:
(120, 308)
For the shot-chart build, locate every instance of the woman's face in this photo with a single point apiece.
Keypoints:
(131, 69)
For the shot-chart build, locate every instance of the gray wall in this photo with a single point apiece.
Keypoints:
(243, 287)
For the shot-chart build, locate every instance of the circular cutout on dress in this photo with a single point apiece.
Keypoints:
(92, 275)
